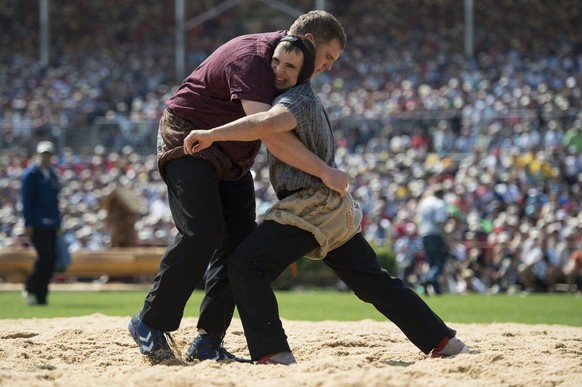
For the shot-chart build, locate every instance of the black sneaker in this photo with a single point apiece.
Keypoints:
(209, 347)
(151, 342)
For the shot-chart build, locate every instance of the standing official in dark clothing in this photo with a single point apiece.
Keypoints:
(42, 219)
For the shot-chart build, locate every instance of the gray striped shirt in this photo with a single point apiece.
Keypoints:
(314, 131)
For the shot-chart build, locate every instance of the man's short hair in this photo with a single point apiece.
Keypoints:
(322, 25)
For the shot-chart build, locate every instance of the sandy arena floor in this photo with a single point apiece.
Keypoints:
(97, 350)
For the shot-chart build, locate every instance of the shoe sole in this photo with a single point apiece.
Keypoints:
(439, 355)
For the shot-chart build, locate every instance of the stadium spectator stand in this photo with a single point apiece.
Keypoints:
(500, 129)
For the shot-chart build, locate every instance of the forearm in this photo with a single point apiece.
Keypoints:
(248, 128)
(289, 149)
(255, 126)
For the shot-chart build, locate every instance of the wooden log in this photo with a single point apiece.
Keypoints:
(16, 263)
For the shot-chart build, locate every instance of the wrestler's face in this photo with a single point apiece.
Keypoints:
(325, 54)
(286, 67)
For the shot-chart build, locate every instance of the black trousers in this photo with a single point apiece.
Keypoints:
(272, 247)
(44, 241)
(212, 217)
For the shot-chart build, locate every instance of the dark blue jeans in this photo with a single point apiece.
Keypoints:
(436, 253)
(213, 217)
(272, 247)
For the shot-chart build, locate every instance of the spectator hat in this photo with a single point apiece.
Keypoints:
(45, 146)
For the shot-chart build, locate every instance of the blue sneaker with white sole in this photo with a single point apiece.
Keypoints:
(209, 347)
(152, 343)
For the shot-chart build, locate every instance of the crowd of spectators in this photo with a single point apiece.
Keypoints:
(502, 130)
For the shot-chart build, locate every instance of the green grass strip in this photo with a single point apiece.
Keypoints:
(320, 305)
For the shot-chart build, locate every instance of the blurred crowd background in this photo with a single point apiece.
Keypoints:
(501, 129)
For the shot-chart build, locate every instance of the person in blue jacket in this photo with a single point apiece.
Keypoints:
(42, 219)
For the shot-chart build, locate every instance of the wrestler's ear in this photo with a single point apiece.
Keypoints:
(310, 37)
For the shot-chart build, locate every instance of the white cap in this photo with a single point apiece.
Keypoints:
(45, 146)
